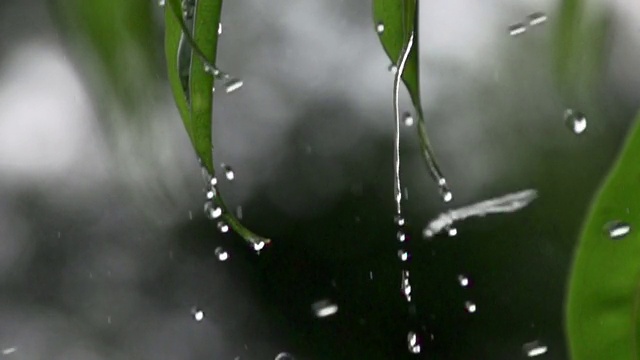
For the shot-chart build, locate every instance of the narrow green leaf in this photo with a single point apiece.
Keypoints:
(396, 22)
(604, 288)
(195, 101)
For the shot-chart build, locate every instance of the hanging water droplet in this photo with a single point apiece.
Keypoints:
(219, 28)
(232, 85)
(413, 343)
(401, 236)
(403, 255)
(258, 246)
(379, 28)
(452, 231)
(517, 29)
(399, 220)
(197, 314)
(407, 119)
(537, 18)
(208, 208)
(534, 348)
(446, 194)
(617, 229)
(221, 254)
(284, 356)
(223, 227)
(211, 194)
(575, 121)
(463, 280)
(470, 307)
(213, 182)
(228, 172)
(392, 68)
(324, 308)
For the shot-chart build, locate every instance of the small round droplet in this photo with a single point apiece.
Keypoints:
(575, 121)
(463, 280)
(402, 237)
(403, 255)
(534, 348)
(197, 314)
(219, 28)
(223, 227)
(379, 28)
(517, 29)
(228, 172)
(284, 356)
(258, 246)
(452, 232)
(470, 307)
(413, 343)
(399, 220)
(232, 85)
(324, 308)
(407, 119)
(221, 254)
(446, 194)
(392, 68)
(617, 229)
(537, 18)
(213, 182)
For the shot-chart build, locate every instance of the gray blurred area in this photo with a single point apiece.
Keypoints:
(105, 252)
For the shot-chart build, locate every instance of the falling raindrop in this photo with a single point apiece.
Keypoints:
(446, 194)
(393, 68)
(407, 119)
(517, 29)
(8, 351)
(575, 121)
(219, 28)
(399, 220)
(617, 229)
(452, 231)
(534, 348)
(284, 356)
(463, 280)
(197, 314)
(221, 254)
(401, 236)
(324, 308)
(405, 285)
(470, 307)
(412, 343)
(403, 255)
(228, 172)
(380, 28)
(223, 227)
(232, 85)
(537, 18)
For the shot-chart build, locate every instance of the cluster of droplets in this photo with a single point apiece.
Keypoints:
(533, 19)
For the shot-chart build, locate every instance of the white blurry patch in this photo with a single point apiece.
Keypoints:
(45, 126)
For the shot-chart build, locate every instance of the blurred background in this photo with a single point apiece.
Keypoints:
(105, 252)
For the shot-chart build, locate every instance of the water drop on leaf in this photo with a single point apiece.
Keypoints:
(617, 229)
(228, 172)
(393, 68)
(407, 119)
(223, 227)
(380, 28)
(258, 246)
(575, 121)
(221, 254)
(219, 28)
(537, 18)
(232, 85)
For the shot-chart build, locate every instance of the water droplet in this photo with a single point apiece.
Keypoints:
(537, 18)
(446, 194)
(232, 85)
(190, 215)
(223, 227)
(463, 280)
(405, 285)
(213, 182)
(161, 3)
(284, 356)
(258, 246)
(8, 351)
(392, 68)
(575, 121)
(617, 229)
(211, 194)
(379, 28)
(228, 172)
(401, 236)
(407, 119)
(412, 343)
(239, 212)
(534, 348)
(403, 255)
(219, 28)
(222, 254)
(452, 231)
(470, 307)
(324, 308)
(399, 220)
(517, 29)
(197, 314)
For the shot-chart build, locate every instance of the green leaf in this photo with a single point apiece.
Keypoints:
(191, 49)
(396, 22)
(604, 287)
